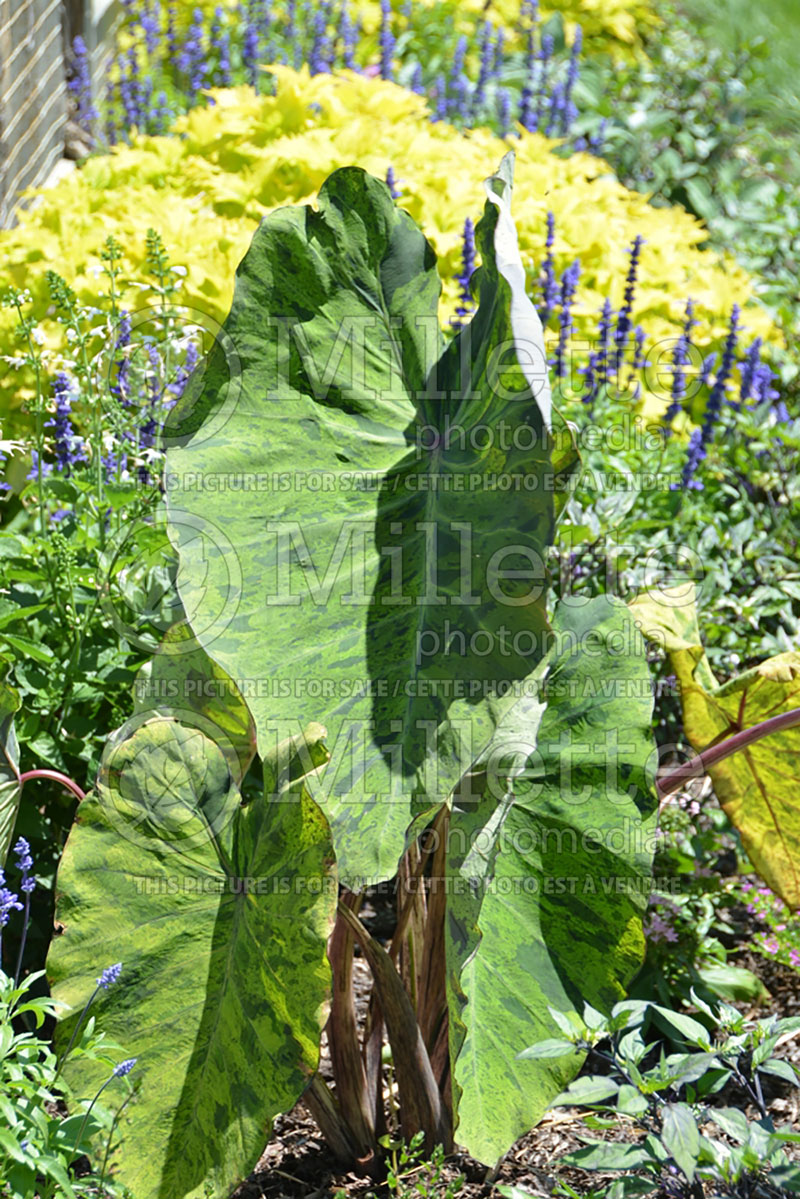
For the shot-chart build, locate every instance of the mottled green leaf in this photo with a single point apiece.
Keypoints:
(757, 787)
(181, 681)
(549, 881)
(10, 789)
(219, 913)
(391, 587)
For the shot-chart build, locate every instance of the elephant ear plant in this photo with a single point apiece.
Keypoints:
(362, 512)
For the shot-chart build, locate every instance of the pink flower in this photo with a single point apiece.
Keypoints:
(657, 929)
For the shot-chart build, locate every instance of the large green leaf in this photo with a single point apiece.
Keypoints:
(219, 913)
(379, 507)
(757, 786)
(10, 789)
(181, 681)
(548, 881)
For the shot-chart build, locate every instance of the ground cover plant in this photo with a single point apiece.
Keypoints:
(247, 803)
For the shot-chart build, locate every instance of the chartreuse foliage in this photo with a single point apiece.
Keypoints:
(611, 24)
(757, 787)
(223, 908)
(615, 25)
(240, 159)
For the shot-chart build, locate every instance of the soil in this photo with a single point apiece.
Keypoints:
(297, 1164)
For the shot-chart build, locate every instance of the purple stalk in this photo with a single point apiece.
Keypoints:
(697, 766)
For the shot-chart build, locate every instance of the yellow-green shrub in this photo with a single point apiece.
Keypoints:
(206, 190)
(607, 24)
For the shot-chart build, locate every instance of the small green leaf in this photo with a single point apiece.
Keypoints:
(732, 1121)
(733, 982)
(548, 1048)
(687, 1028)
(631, 1101)
(10, 1145)
(781, 1069)
(681, 1136)
(586, 1091)
(608, 1155)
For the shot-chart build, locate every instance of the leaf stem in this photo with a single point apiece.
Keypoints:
(697, 766)
(57, 777)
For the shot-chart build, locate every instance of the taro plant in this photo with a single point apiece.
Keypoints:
(362, 514)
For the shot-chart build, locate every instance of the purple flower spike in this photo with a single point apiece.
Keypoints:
(23, 851)
(69, 447)
(250, 54)
(391, 183)
(466, 304)
(109, 976)
(504, 110)
(192, 58)
(9, 901)
(499, 53)
(220, 42)
(386, 40)
(604, 331)
(148, 21)
(318, 62)
(484, 74)
(347, 33)
(569, 283)
(748, 369)
(80, 85)
(624, 317)
(680, 358)
(33, 473)
(549, 285)
(125, 1067)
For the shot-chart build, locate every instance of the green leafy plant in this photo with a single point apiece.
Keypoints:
(346, 555)
(85, 565)
(410, 1173)
(40, 1143)
(668, 1099)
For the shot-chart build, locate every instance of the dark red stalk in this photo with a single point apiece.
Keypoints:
(57, 777)
(697, 766)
